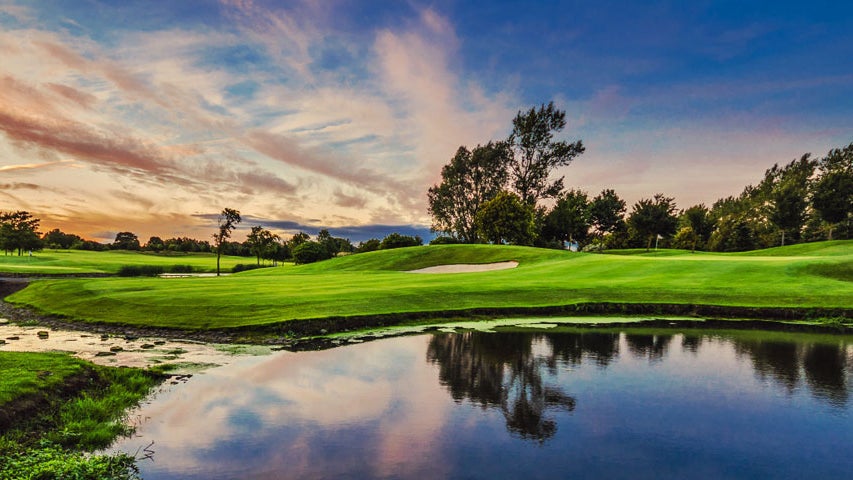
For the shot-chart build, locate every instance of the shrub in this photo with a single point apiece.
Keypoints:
(395, 240)
(240, 267)
(141, 270)
(180, 269)
(444, 240)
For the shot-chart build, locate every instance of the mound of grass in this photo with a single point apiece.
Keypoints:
(376, 284)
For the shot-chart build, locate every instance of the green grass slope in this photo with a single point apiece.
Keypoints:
(377, 283)
(52, 262)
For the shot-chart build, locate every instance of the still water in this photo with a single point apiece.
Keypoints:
(554, 404)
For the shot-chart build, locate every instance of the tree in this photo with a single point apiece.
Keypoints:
(535, 154)
(227, 222)
(298, 239)
(309, 252)
(607, 212)
(155, 244)
(56, 238)
(368, 245)
(832, 191)
(260, 241)
(19, 231)
(700, 222)
(653, 217)
(395, 240)
(470, 179)
(569, 219)
(506, 218)
(126, 241)
(788, 195)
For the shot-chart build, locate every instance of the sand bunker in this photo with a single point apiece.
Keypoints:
(467, 268)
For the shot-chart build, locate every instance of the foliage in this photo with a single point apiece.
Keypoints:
(569, 220)
(653, 217)
(470, 179)
(19, 231)
(788, 189)
(240, 267)
(125, 241)
(396, 240)
(832, 191)
(535, 154)
(227, 221)
(56, 238)
(368, 245)
(697, 227)
(607, 212)
(506, 219)
(310, 252)
(261, 242)
(53, 462)
(444, 240)
(141, 270)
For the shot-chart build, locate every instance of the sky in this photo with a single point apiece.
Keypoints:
(153, 116)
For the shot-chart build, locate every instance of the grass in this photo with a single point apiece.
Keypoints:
(52, 262)
(56, 407)
(800, 276)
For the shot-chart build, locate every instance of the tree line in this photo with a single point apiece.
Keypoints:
(502, 192)
(19, 234)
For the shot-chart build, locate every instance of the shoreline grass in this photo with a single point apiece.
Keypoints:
(376, 284)
(56, 408)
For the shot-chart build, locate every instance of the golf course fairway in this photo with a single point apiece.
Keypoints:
(805, 276)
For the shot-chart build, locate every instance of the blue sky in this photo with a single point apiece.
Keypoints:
(151, 116)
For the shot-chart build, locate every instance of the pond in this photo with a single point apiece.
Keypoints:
(560, 403)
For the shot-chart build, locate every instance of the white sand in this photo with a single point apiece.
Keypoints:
(467, 268)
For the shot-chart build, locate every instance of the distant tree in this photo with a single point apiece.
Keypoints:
(343, 245)
(832, 191)
(700, 223)
(298, 239)
(569, 220)
(607, 212)
(506, 218)
(126, 241)
(470, 179)
(56, 238)
(279, 252)
(309, 252)
(653, 217)
(535, 155)
(260, 241)
(19, 231)
(395, 240)
(154, 244)
(788, 195)
(368, 245)
(227, 222)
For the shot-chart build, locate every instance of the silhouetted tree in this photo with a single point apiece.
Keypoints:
(126, 241)
(506, 218)
(653, 217)
(832, 191)
(569, 219)
(227, 222)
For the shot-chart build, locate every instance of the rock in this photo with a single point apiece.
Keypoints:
(146, 346)
(116, 348)
(105, 337)
(159, 342)
(4, 321)
(43, 334)
(2, 342)
(105, 354)
(14, 337)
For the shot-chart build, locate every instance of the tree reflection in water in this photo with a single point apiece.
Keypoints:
(500, 371)
(506, 370)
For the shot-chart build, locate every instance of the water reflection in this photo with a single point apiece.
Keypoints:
(500, 371)
(572, 403)
(505, 371)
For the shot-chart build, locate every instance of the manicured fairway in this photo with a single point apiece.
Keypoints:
(51, 262)
(814, 275)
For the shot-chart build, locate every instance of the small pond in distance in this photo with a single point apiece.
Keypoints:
(561, 403)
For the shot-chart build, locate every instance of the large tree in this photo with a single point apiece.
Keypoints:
(700, 222)
(506, 218)
(832, 191)
(19, 231)
(126, 241)
(261, 242)
(653, 217)
(471, 178)
(788, 195)
(607, 212)
(535, 154)
(227, 222)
